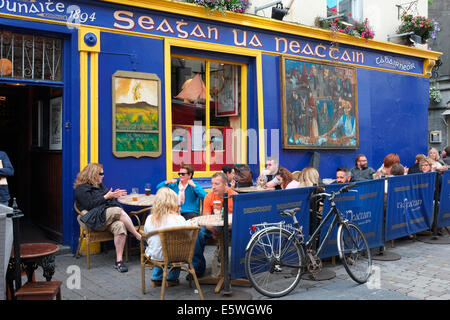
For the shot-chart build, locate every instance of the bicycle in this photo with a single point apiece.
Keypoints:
(277, 255)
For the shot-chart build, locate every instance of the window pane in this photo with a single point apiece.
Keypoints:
(188, 112)
(224, 112)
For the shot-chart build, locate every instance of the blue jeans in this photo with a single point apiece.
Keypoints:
(198, 261)
(172, 276)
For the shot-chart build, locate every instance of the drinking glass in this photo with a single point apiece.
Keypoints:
(134, 193)
(148, 189)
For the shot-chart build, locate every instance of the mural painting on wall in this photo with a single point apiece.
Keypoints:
(319, 105)
(136, 114)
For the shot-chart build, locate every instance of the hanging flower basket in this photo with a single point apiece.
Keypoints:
(354, 28)
(423, 27)
(222, 5)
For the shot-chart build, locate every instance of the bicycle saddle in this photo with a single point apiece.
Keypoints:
(289, 212)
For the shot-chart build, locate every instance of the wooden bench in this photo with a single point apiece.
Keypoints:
(40, 290)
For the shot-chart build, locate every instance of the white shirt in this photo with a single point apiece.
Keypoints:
(293, 184)
(154, 249)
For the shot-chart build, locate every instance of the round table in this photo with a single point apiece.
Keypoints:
(33, 255)
(142, 200)
(252, 189)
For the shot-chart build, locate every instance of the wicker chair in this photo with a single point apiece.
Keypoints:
(92, 236)
(178, 249)
(296, 174)
(140, 216)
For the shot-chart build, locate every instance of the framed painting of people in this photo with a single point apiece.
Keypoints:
(319, 105)
(136, 103)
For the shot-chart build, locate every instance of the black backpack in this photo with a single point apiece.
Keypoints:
(243, 176)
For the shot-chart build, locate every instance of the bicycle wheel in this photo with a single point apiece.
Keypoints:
(273, 263)
(354, 252)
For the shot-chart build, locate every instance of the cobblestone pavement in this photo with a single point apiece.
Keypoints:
(423, 272)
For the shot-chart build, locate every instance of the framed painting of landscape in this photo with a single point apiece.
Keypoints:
(136, 99)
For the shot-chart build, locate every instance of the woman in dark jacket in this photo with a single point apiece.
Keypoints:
(100, 210)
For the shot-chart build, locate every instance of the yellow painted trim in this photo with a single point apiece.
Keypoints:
(208, 117)
(82, 46)
(244, 106)
(94, 108)
(83, 110)
(260, 99)
(277, 26)
(168, 111)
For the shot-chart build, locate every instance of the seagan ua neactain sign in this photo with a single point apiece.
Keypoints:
(163, 24)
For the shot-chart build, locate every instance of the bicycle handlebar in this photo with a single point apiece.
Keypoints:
(332, 195)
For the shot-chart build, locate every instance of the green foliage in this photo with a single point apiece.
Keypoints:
(435, 94)
(222, 5)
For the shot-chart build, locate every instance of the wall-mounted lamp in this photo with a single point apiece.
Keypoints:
(278, 11)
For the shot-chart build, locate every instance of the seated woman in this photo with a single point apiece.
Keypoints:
(100, 210)
(165, 214)
(438, 164)
(309, 177)
(189, 192)
(388, 162)
(286, 179)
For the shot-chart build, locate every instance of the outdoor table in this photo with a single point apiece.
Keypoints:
(33, 255)
(210, 220)
(252, 189)
(142, 200)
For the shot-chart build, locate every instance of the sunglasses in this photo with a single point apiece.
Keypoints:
(101, 174)
(182, 173)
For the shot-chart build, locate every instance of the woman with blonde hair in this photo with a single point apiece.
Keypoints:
(165, 214)
(100, 210)
(438, 164)
(309, 177)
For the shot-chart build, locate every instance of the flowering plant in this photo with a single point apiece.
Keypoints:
(421, 26)
(360, 30)
(435, 94)
(222, 5)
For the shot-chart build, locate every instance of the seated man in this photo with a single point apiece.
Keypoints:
(342, 175)
(269, 175)
(229, 171)
(219, 187)
(361, 171)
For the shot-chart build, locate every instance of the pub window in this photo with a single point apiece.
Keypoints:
(354, 7)
(206, 113)
(32, 57)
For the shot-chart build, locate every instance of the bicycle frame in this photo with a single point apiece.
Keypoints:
(336, 220)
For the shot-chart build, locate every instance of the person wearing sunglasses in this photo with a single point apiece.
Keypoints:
(189, 192)
(100, 210)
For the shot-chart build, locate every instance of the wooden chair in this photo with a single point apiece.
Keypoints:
(178, 249)
(92, 236)
(41, 290)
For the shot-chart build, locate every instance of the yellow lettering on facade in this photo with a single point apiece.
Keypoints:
(243, 43)
(216, 33)
(182, 33)
(277, 41)
(319, 47)
(124, 16)
(294, 46)
(198, 32)
(358, 55)
(255, 42)
(165, 27)
(307, 50)
(146, 23)
(345, 56)
(332, 50)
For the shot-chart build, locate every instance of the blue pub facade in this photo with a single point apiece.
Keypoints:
(143, 86)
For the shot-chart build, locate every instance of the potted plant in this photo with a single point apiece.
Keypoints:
(222, 5)
(423, 27)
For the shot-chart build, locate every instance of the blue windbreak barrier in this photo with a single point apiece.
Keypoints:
(365, 208)
(443, 219)
(259, 207)
(409, 206)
